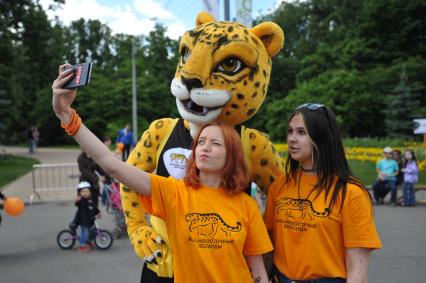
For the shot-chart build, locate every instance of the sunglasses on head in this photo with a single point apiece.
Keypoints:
(310, 106)
(315, 106)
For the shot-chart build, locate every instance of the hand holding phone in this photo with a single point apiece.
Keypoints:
(82, 74)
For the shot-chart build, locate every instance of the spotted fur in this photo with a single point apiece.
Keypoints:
(223, 73)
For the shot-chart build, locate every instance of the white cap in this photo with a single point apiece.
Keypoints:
(83, 185)
(387, 150)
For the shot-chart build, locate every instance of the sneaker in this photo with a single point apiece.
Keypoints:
(84, 249)
(393, 204)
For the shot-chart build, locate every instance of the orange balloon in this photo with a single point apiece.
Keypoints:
(13, 206)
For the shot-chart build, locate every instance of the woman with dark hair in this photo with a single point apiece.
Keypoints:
(216, 230)
(320, 215)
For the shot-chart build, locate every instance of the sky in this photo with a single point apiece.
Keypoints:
(138, 17)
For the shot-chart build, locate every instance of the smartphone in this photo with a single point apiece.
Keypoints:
(82, 73)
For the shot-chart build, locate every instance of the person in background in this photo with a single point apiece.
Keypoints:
(31, 141)
(319, 214)
(3, 198)
(411, 176)
(92, 173)
(86, 214)
(125, 137)
(215, 228)
(397, 156)
(36, 138)
(386, 169)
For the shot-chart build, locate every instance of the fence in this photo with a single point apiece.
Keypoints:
(54, 178)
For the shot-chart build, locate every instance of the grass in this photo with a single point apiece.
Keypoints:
(366, 171)
(12, 167)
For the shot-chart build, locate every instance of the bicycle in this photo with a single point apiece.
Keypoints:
(102, 238)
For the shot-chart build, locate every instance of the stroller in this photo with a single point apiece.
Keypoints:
(112, 201)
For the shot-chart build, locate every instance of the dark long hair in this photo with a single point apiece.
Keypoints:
(329, 158)
(413, 159)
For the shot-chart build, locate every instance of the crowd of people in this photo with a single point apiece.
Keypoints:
(393, 171)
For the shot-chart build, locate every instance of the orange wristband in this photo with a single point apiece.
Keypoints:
(74, 124)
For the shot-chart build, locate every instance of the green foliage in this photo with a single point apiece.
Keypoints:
(346, 54)
(12, 167)
(364, 170)
(349, 55)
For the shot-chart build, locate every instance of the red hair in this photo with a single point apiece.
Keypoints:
(234, 177)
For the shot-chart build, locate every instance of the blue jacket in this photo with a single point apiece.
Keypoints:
(125, 137)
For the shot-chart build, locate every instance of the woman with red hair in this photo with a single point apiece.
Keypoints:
(216, 230)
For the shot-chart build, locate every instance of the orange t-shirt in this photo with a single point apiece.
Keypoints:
(210, 231)
(309, 241)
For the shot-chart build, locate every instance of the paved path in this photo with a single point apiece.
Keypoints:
(23, 187)
(28, 250)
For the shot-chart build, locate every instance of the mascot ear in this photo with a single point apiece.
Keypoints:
(204, 18)
(271, 35)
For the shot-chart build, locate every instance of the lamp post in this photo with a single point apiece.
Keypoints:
(226, 8)
(134, 101)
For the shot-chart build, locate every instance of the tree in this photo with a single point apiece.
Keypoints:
(401, 106)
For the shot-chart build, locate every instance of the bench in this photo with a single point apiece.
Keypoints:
(417, 187)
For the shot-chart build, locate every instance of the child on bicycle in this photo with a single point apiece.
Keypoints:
(86, 213)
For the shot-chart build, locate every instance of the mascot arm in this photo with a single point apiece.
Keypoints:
(266, 163)
(145, 241)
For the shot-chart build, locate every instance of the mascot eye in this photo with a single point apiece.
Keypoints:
(230, 66)
(184, 54)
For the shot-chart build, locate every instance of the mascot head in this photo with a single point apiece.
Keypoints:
(224, 69)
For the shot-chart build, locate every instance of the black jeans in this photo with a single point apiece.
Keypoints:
(382, 187)
(149, 276)
(281, 278)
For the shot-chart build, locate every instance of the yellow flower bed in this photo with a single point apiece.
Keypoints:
(372, 154)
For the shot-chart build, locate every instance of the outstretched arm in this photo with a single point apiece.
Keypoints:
(130, 176)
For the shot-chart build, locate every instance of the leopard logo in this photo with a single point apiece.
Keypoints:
(299, 208)
(179, 158)
(207, 224)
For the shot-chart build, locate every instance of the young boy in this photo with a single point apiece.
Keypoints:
(86, 213)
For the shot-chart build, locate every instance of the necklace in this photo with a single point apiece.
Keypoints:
(298, 189)
(307, 170)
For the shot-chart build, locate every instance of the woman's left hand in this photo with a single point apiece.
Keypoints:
(63, 98)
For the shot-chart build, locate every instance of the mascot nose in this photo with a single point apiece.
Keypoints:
(191, 83)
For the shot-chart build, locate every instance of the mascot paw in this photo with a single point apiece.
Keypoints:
(149, 245)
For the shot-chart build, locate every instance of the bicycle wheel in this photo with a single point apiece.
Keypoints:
(103, 240)
(65, 239)
(116, 233)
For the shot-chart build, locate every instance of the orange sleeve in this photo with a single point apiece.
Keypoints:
(269, 216)
(163, 193)
(359, 230)
(257, 241)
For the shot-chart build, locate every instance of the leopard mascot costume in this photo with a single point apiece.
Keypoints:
(223, 73)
